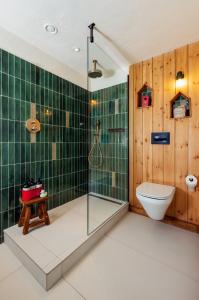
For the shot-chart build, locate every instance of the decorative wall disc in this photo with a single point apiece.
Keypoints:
(33, 125)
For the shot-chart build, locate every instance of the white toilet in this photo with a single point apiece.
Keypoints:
(155, 198)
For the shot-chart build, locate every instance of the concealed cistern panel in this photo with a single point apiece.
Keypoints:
(160, 138)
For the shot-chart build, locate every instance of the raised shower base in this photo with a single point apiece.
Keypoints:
(50, 251)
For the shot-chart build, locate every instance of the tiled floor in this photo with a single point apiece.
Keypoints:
(140, 259)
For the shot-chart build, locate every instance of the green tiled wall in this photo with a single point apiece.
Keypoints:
(114, 144)
(66, 177)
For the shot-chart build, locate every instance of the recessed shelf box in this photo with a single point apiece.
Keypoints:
(116, 129)
(180, 106)
(144, 96)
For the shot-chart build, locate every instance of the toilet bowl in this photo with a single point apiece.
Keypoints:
(155, 198)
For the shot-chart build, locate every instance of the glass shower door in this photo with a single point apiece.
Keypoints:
(108, 137)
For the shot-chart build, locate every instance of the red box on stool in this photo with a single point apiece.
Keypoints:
(145, 101)
(30, 193)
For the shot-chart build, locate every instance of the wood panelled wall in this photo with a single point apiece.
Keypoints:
(167, 164)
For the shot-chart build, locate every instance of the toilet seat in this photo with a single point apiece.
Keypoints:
(155, 191)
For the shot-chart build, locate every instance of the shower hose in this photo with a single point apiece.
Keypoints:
(95, 156)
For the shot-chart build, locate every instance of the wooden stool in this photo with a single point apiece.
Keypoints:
(25, 216)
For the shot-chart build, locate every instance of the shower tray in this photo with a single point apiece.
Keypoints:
(50, 251)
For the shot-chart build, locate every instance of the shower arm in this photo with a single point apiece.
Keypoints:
(91, 27)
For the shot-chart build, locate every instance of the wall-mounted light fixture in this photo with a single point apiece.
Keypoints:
(180, 81)
(93, 102)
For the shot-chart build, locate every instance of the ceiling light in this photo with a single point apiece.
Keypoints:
(51, 28)
(76, 49)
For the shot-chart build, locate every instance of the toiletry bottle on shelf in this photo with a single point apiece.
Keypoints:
(39, 187)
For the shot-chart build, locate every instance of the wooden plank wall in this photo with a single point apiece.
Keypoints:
(168, 164)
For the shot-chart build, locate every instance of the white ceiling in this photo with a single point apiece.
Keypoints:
(132, 30)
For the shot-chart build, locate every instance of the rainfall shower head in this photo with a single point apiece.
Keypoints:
(95, 73)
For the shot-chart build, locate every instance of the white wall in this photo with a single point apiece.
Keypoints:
(21, 48)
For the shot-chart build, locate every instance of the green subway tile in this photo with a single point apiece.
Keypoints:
(33, 73)
(28, 75)
(17, 174)
(27, 110)
(23, 154)
(5, 153)
(33, 93)
(5, 60)
(11, 175)
(46, 83)
(4, 84)
(5, 131)
(11, 87)
(11, 64)
(42, 77)
(23, 90)
(17, 110)
(28, 92)
(17, 88)
(4, 197)
(0, 90)
(38, 95)
(37, 75)
(4, 220)
(17, 152)
(23, 69)
(22, 132)
(50, 81)
(23, 111)
(5, 108)
(4, 179)
(17, 67)
(11, 132)
(11, 153)
(33, 152)
(42, 95)
(0, 67)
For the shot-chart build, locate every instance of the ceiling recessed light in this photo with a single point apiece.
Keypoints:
(76, 49)
(51, 28)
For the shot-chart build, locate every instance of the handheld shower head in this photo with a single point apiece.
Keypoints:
(95, 73)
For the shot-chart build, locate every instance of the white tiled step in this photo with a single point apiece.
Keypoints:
(50, 251)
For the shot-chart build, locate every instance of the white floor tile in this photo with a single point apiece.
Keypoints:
(114, 271)
(32, 247)
(21, 285)
(8, 262)
(171, 245)
(64, 234)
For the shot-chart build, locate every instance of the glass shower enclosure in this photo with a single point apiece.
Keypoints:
(108, 137)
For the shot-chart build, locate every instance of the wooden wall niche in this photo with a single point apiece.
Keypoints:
(166, 164)
(146, 93)
(181, 100)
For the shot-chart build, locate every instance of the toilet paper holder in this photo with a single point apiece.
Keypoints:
(191, 182)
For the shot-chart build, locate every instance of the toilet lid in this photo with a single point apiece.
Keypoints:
(154, 190)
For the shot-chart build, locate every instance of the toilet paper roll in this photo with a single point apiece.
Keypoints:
(191, 182)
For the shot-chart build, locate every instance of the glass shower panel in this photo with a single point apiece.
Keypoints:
(108, 137)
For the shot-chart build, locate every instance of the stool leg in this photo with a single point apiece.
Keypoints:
(45, 214)
(21, 219)
(27, 220)
(40, 213)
